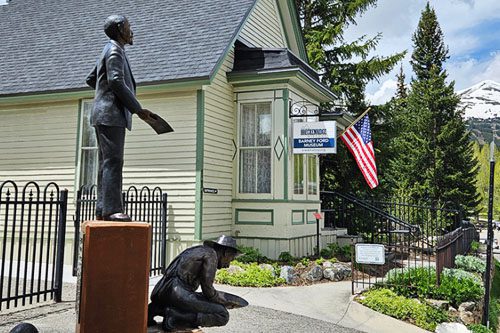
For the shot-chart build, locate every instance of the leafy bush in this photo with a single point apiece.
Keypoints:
(251, 276)
(326, 252)
(286, 257)
(474, 246)
(457, 286)
(470, 264)
(459, 289)
(343, 253)
(250, 254)
(389, 303)
(494, 313)
(478, 328)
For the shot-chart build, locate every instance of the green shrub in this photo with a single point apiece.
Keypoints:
(326, 253)
(474, 246)
(250, 254)
(494, 313)
(478, 328)
(343, 252)
(252, 276)
(389, 303)
(457, 286)
(470, 264)
(305, 261)
(459, 289)
(286, 257)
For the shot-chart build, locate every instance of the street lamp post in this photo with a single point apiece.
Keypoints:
(489, 242)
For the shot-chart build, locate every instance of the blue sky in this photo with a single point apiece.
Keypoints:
(471, 30)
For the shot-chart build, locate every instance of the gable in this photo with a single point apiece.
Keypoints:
(263, 27)
(274, 24)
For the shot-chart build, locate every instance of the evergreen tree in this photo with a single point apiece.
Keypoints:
(402, 91)
(435, 158)
(324, 23)
(345, 67)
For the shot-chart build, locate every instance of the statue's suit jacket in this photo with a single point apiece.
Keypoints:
(114, 86)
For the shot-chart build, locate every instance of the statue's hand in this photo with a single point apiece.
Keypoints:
(144, 114)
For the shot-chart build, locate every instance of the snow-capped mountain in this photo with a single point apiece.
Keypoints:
(482, 100)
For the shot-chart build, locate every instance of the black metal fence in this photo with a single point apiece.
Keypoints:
(33, 222)
(450, 245)
(413, 233)
(143, 205)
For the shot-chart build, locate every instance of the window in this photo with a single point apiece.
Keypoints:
(88, 158)
(298, 174)
(312, 175)
(255, 147)
(305, 173)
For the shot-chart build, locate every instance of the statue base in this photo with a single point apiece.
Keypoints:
(114, 277)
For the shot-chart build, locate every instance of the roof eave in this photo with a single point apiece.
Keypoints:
(295, 75)
(60, 95)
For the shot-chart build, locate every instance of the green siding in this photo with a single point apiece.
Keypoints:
(263, 27)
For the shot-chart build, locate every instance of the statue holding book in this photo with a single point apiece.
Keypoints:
(114, 105)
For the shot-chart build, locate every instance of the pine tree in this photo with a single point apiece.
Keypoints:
(345, 67)
(435, 158)
(324, 23)
(402, 91)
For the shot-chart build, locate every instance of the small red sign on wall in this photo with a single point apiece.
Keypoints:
(318, 216)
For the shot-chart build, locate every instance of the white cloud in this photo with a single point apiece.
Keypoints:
(459, 20)
(386, 91)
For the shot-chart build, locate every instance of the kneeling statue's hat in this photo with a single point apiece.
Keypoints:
(224, 240)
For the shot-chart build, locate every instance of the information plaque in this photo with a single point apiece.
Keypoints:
(370, 254)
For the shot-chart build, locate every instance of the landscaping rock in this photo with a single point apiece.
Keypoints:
(451, 328)
(327, 264)
(267, 267)
(338, 272)
(234, 269)
(467, 317)
(300, 266)
(313, 274)
(288, 273)
(438, 304)
(467, 306)
(453, 313)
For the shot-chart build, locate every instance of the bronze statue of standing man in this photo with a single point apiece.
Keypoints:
(114, 104)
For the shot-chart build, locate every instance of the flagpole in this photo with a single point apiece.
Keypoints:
(354, 122)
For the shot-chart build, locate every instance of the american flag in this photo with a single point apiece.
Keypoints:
(358, 139)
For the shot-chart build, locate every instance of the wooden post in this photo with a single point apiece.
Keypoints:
(114, 278)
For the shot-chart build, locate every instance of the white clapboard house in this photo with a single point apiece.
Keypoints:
(224, 73)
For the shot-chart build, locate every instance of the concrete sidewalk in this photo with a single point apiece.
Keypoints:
(326, 307)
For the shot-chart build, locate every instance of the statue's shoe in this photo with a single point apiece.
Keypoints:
(118, 217)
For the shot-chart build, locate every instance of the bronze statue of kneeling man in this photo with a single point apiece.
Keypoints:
(175, 298)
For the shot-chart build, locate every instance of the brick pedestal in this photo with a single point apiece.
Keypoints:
(114, 277)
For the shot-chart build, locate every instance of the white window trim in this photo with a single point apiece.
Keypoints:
(79, 143)
(238, 152)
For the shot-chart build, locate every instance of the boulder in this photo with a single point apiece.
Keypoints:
(467, 317)
(453, 313)
(438, 304)
(337, 272)
(327, 264)
(313, 274)
(467, 306)
(267, 267)
(234, 269)
(288, 273)
(451, 328)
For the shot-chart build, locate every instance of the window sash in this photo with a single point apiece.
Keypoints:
(255, 153)
(88, 150)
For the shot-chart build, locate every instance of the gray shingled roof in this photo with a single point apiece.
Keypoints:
(51, 45)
